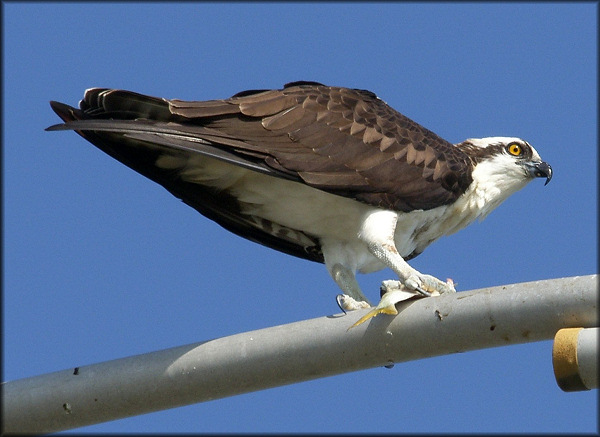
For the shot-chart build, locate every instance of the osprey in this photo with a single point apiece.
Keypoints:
(328, 174)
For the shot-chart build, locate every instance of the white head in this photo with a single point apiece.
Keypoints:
(504, 165)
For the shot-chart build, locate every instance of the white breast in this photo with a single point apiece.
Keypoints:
(336, 220)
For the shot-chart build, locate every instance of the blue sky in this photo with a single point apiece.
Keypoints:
(100, 263)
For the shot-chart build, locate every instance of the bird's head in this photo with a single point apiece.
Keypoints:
(513, 157)
(503, 165)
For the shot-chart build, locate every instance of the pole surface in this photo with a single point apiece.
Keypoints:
(295, 352)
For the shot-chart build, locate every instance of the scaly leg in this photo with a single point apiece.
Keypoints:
(353, 298)
(377, 232)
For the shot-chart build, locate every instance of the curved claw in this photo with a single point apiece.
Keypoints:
(423, 292)
(416, 284)
(338, 299)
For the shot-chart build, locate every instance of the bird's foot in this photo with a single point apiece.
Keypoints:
(347, 303)
(428, 285)
(393, 292)
(392, 285)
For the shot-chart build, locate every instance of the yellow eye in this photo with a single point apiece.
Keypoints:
(515, 149)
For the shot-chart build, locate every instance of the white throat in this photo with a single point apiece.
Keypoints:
(494, 180)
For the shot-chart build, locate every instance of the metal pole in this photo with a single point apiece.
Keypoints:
(295, 352)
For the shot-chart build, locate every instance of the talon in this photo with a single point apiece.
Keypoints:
(338, 299)
(423, 292)
(411, 284)
(414, 285)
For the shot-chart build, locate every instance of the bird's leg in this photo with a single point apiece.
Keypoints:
(409, 277)
(378, 234)
(353, 298)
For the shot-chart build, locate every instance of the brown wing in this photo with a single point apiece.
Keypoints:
(340, 140)
(343, 141)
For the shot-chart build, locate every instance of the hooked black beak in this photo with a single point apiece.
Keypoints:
(542, 170)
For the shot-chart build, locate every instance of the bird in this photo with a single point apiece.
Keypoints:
(328, 174)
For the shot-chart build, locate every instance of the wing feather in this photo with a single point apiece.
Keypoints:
(344, 141)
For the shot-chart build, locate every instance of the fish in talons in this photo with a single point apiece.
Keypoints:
(393, 292)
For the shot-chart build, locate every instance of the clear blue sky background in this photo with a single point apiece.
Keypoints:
(100, 263)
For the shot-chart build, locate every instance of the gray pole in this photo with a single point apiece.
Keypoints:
(295, 352)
